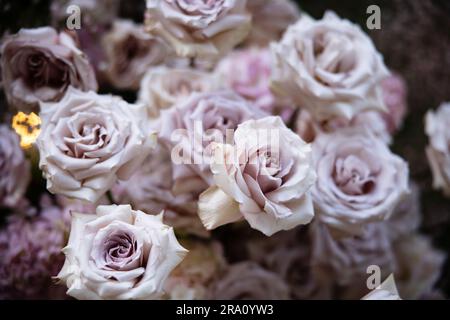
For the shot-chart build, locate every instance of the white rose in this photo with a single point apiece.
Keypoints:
(328, 66)
(88, 141)
(265, 177)
(119, 254)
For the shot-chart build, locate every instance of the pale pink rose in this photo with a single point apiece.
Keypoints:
(163, 87)
(38, 65)
(264, 178)
(189, 128)
(119, 254)
(129, 53)
(88, 141)
(346, 258)
(419, 266)
(438, 150)
(14, 168)
(386, 291)
(199, 28)
(199, 269)
(248, 72)
(248, 281)
(152, 189)
(395, 96)
(359, 179)
(372, 121)
(270, 18)
(289, 255)
(328, 66)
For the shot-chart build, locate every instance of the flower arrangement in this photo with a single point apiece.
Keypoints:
(222, 149)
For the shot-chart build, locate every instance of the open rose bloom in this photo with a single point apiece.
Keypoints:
(119, 253)
(199, 28)
(38, 65)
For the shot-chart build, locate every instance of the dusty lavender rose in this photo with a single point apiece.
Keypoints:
(264, 178)
(359, 179)
(394, 95)
(407, 215)
(93, 12)
(119, 254)
(288, 254)
(14, 168)
(386, 291)
(328, 66)
(189, 128)
(30, 254)
(270, 18)
(38, 65)
(419, 266)
(248, 72)
(129, 53)
(372, 121)
(348, 257)
(88, 141)
(438, 150)
(248, 281)
(153, 189)
(163, 87)
(199, 28)
(201, 267)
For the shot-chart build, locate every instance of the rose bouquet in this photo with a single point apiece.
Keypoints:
(224, 149)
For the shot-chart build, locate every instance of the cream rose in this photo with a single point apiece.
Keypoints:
(328, 66)
(89, 140)
(119, 254)
(438, 150)
(38, 65)
(359, 179)
(199, 28)
(130, 52)
(163, 87)
(265, 177)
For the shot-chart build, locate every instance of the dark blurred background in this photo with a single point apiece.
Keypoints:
(415, 41)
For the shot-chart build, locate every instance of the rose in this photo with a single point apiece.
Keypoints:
(419, 266)
(119, 254)
(152, 189)
(163, 87)
(247, 72)
(346, 258)
(199, 28)
(189, 128)
(329, 66)
(130, 52)
(270, 19)
(248, 281)
(394, 95)
(14, 169)
(38, 65)
(88, 141)
(359, 179)
(438, 150)
(202, 266)
(265, 177)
